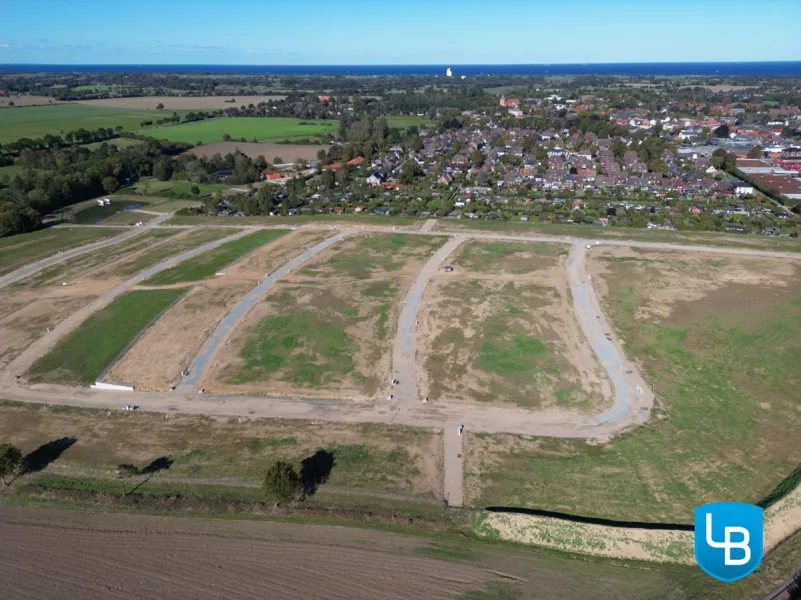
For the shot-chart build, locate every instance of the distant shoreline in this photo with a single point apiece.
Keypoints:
(787, 68)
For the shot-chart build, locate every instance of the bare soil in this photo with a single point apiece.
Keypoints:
(26, 101)
(526, 291)
(100, 556)
(179, 102)
(287, 152)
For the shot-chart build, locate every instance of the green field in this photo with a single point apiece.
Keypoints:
(406, 121)
(207, 264)
(19, 250)
(411, 222)
(156, 187)
(727, 424)
(38, 121)
(266, 129)
(82, 356)
(121, 142)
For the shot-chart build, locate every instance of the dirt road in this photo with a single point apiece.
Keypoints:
(29, 270)
(453, 464)
(404, 365)
(55, 555)
(201, 363)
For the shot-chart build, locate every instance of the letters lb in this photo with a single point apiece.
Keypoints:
(728, 539)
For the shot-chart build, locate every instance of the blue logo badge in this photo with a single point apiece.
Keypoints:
(728, 539)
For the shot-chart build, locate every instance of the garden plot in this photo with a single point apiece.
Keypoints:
(327, 330)
(717, 337)
(156, 360)
(500, 328)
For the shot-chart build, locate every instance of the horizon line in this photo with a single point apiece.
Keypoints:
(662, 62)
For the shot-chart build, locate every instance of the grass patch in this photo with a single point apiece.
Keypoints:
(262, 129)
(299, 347)
(205, 265)
(25, 248)
(406, 121)
(156, 187)
(511, 257)
(83, 355)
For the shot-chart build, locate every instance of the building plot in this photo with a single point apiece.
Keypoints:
(497, 325)
(156, 360)
(327, 330)
(716, 337)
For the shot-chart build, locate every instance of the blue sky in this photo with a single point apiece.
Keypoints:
(339, 32)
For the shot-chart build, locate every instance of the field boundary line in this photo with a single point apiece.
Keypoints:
(142, 332)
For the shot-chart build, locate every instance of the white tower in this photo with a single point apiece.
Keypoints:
(448, 72)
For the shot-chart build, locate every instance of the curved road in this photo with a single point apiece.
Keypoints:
(199, 366)
(29, 270)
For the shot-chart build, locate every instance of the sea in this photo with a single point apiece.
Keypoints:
(787, 68)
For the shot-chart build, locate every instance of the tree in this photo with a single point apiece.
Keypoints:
(10, 461)
(281, 483)
(409, 171)
(755, 152)
(195, 190)
(110, 184)
(159, 106)
(125, 472)
(722, 131)
(162, 170)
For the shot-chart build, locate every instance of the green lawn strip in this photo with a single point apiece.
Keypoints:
(208, 263)
(83, 355)
(295, 220)
(137, 264)
(490, 257)
(25, 248)
(91, 260)
(262, 129)
(300, 346)
(727, 427)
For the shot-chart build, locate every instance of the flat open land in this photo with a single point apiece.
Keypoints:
(81, 357)
(286, 152)
(210, 262)
(19, 250)
(179, 102)
(38, 121)
(717, 338)
(327, 330)
(501, 329)
(171, 557)
(156, 360)
(255, 129)
(26, 101)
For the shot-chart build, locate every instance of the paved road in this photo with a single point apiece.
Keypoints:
(45, 343)
(29, 270)
(201, 363)
(404, 367)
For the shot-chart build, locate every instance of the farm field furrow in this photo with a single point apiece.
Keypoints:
(500, 328)
(715, 338)
(81, 357)
(207, 264)
(327, 330)
(26, 248)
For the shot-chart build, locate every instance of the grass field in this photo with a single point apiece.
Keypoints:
(83, 355)
(136, 264)
(718, 339)
(406, 121)
(267, 129)
(121, 142)
(400, 222)
(38, 121)
(207, 264)
(156, 187)
(25, 248)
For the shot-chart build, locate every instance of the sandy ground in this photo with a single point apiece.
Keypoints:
(180, 102)
(156, 360)
(287, 152)
(685, 276)
(26, 101)
(338, 295)
(450, 370)
(48, 554)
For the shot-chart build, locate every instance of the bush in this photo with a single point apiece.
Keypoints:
(281, 483)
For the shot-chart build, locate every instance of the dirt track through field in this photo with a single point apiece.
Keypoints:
(105, 556)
